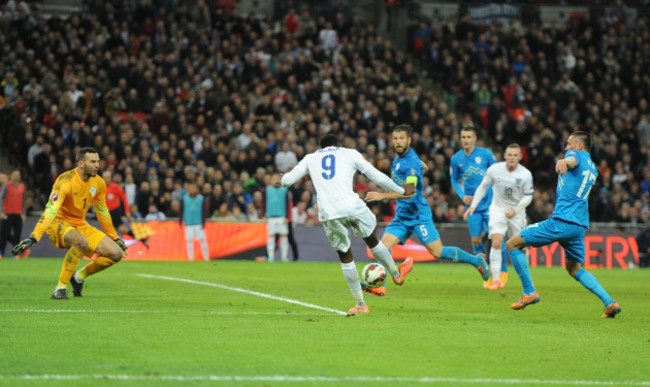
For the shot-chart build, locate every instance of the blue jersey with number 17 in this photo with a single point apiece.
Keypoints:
(573, 189)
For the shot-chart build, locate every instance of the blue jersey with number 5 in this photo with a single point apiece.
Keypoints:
(573, 190)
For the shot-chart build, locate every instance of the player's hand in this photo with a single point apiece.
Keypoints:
(510, 213)
(23, 245)
(468, 212)
(372, 196)
(560, 167)
(121, 244)
(409, 188)
(467, 199)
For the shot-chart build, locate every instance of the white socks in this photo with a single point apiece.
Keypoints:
(270, 248)
(495, 263)
(352, 276)
(284, 248)
(381, 253)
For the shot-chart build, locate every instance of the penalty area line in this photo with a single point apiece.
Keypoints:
(330, 379)
(246, 291)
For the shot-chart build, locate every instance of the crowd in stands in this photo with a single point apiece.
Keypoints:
(194, 92)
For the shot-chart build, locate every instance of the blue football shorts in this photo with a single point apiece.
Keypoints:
(570, 236)
(426, 231)
(478, 223)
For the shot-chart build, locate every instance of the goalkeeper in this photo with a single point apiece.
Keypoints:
(64, 221)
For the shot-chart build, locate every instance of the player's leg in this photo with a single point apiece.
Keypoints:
(270, 243)
(68, 237)
(283, 231)
(574, 256)
(366, 227)
(189, 242)
(339, 238)
(536, 235)
(292, 242)
(477, 226)
(108, 254)
(4, 234)
(284, 247)
(457, 254)
(204, 244)
(496, 260)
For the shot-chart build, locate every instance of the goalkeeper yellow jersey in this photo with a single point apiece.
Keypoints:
(70, 200)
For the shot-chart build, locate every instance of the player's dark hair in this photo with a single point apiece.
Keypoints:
(81, 155)
(403, 128)
(469, 127)
(328, 140)
(583, 137)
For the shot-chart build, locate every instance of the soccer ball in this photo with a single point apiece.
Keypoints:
(373, 275)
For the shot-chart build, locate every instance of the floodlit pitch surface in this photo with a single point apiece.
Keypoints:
(246, 323)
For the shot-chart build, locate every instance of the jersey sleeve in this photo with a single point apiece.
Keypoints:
(573, 153)
(374, 174)
(296, 173)
(103, 216)
(454, 174)
(61, 189)
(491, 158)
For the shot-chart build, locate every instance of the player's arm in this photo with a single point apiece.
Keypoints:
(374, 196)
(296, 173)
(569, 161)
(59, 192)
(454, 175)
(479, 194)
(103, 216)
(378, 177)
(527, 198)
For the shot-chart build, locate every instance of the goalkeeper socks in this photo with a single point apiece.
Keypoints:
(99, 264)
(352, 277)
(520, 264)
(70, 262)
(382, 254)
(495, 263)
(284, 248)
(457, 254)
(590, 282)
(504, 257)
(270, 247)
(478, 248)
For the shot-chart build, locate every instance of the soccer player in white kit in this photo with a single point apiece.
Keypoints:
(512, 193)
(332, 170)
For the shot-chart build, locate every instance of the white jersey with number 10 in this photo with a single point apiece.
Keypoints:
(332, 171)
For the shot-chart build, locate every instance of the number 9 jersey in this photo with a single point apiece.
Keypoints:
(332, 171)
(573, 189)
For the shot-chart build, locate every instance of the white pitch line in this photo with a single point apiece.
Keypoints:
(251, 292)
(330, 379)
(156, 311)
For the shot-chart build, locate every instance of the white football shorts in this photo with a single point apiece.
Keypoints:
(277, 226)
(362, 223)
(500, 224)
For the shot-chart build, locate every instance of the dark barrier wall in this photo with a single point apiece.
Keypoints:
(603, 250)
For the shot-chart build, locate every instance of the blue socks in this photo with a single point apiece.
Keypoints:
(478, 248)
(521, 267)
(590, 282)
(504, 257)
(459, 255)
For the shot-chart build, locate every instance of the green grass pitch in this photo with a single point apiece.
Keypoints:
(245, 323)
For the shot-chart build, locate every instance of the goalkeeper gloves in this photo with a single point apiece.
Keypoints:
(23, 245)
(121, 244)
